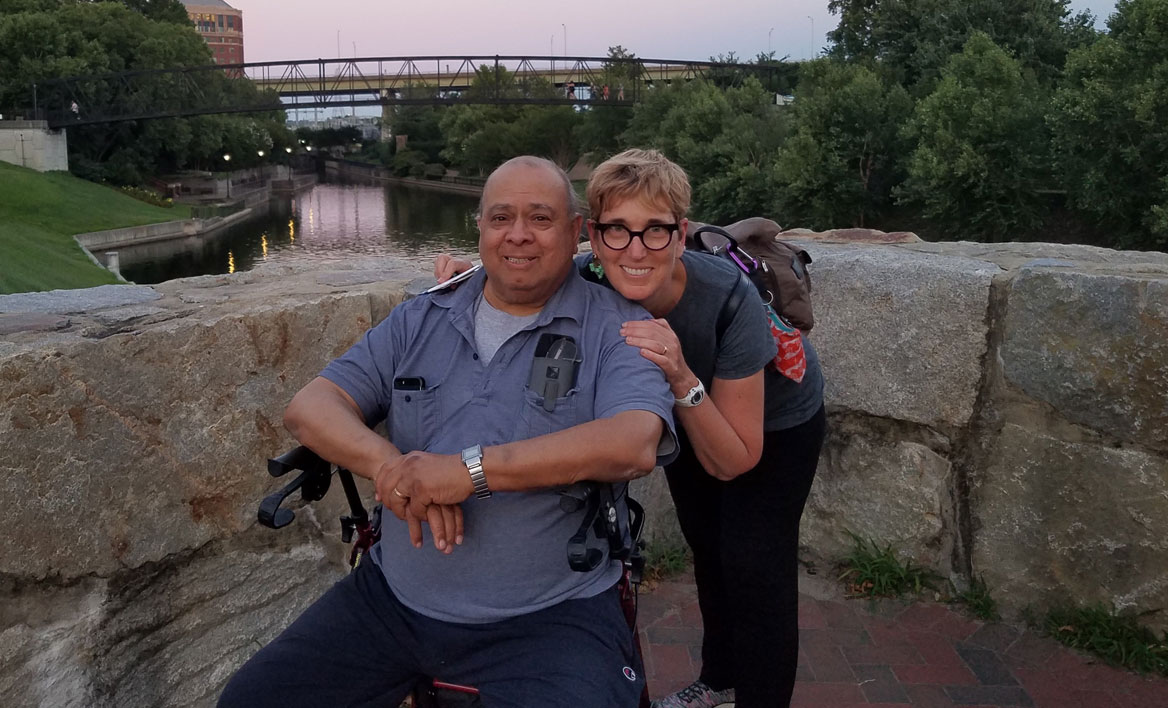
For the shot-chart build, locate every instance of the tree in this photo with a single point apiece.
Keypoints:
(479, 137)
(1110, 123)
(46, 39)
(600, 127)
(420, 124)
(160, 10)
(913, 39)
(981, 155)
(725, 139)
(840, 164)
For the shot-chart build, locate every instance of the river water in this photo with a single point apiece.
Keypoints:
(327, 223)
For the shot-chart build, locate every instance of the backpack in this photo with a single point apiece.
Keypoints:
(778, 271)
(781, 275)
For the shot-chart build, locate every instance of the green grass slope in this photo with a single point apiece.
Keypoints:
(39, 214)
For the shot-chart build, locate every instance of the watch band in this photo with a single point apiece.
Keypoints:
(472, 457)
(696, 395)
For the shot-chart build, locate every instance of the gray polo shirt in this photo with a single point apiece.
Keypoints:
(513, 560)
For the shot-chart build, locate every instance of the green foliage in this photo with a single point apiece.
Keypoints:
(480, 137)
(40, 213)
(147, 195)
(599, 129)
(405, 162)
(664, 561)
(1120, 641)
(1110, 123)
(161, 10)
(877, 572)
(420, 124)
(781, 76)
(45, 40)
(912, 40)
(978, 601)
(840, 164)
(981, 147)
(726, 139)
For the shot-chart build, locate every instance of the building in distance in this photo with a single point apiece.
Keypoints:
(221, 25)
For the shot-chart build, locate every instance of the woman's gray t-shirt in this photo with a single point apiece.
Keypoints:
(746, 345)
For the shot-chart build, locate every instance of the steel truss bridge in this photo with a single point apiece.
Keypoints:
(376, 81)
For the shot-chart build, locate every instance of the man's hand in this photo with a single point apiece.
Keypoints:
(422, 486)
(447, 266)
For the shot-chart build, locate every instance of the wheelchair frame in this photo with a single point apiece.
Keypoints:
(602, 527)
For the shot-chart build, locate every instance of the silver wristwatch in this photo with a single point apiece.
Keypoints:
(472, 457)
(696, 395)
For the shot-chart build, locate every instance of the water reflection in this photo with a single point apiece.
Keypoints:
(328, 223)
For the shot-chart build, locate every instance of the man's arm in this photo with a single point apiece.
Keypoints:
(326, 419)
(613, 449)
(323, 417)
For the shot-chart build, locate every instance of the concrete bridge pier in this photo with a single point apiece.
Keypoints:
(386, 115)
(32, 144)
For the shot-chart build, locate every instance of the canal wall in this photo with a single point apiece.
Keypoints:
(365, 173)
(994, 410)
(96, 241)
(234, 198)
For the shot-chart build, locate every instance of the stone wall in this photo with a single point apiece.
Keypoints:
(994, 410)
(999, 411)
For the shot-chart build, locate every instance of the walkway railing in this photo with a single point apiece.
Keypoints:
(327, 83)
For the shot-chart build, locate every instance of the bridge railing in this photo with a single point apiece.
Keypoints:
(325, 83)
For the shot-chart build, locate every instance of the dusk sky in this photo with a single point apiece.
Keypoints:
(653, 29)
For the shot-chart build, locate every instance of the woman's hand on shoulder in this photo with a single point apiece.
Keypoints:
(447, 266)
(659, 344)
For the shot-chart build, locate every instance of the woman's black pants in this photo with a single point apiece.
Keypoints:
(745, 540)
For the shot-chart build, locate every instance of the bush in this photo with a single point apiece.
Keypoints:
(147, 195)
(435, 170)
(409, 162)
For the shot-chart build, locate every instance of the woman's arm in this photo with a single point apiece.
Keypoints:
(726, 428)
(447, 266)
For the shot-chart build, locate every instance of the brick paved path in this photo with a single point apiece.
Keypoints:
(859, 653)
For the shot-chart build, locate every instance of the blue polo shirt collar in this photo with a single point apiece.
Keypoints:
(569, 301)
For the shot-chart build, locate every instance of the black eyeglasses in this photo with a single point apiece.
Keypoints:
(654, 237)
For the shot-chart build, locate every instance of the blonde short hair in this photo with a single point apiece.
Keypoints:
(646, 175)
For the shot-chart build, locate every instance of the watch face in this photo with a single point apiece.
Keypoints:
(698, 395)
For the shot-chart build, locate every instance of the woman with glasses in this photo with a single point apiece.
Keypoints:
(750, 437)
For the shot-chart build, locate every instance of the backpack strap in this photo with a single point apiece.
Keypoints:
(729, 309)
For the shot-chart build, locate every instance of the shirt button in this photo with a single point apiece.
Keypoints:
(476, 357)
(407, 399)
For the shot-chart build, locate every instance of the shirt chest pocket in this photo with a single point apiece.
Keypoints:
(413, 416)
(537, 420)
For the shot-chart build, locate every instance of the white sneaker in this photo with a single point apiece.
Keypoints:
(697, 695)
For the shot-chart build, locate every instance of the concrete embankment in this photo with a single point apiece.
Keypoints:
(96, 241)
(995, 411)
(250, 195)
(351, 171)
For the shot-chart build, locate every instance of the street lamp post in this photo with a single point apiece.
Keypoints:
(565, 27)
(811, 44)
(769, 33)
(227, 159)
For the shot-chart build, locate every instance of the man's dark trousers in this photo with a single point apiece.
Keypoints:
(359, 646)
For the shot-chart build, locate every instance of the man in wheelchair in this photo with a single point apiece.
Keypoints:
(497, 396)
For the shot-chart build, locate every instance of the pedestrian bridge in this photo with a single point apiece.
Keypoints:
(370, 81)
